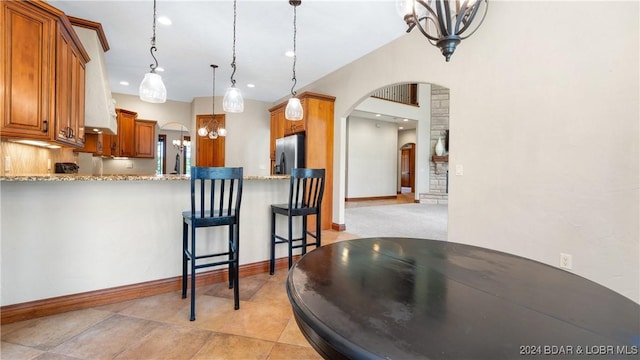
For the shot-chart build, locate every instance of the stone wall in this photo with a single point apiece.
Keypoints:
(438, 171)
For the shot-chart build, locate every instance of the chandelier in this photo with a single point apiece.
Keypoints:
(152, 88)
(232, 101)
(181, 143)
(444, 22)
(293, 111)
(212, 128)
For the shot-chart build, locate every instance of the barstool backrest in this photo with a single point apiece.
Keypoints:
(215, 191)
(306, 188)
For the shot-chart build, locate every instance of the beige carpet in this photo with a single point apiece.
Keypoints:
(405, 220)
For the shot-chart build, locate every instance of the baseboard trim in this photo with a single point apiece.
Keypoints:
(338, 227)
(56, 305)
(372, 198)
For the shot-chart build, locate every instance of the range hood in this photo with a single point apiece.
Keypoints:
(100, 112)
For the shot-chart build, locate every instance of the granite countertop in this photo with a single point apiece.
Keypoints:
(76, 177)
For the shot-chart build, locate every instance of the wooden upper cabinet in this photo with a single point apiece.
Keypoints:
(145, 138)
(125, 140)
(28, 71)
(42, 76)
(317, 125)
(70, 92)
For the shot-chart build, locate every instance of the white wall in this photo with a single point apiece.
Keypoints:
(545, 123)
(372, 169)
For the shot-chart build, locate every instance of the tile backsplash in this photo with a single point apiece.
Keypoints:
(31, 160)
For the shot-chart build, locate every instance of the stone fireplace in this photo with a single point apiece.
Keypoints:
(438, 165)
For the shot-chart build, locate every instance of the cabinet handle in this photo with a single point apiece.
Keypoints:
(70, 133)
(46, 126)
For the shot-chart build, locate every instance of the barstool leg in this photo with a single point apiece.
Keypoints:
(236, 267)
(193, 273)
(185, 234)
(273, 243)
(318, 231)
(290, 240)
(304, 234)
(230, 243)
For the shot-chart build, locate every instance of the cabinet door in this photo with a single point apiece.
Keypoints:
(277, 130)
(126, 133)
(108, 144)
(70, 72)
(27, 75)
(145, 138)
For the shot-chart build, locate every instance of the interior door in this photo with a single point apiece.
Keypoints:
(407, 169)
(210, 152)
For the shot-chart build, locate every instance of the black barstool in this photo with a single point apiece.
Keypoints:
(306, 187)
(216, 194)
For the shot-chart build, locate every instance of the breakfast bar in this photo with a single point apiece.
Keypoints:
(74, 234)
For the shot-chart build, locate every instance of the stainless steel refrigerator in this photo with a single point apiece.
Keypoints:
(289, 153)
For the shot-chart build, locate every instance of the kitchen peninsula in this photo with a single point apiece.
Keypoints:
(63, 235)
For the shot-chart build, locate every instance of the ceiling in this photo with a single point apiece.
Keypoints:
(330, 34)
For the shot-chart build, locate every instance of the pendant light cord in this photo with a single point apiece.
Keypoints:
(153, 41)
(295, 53)
(233, 61)
(213, 103)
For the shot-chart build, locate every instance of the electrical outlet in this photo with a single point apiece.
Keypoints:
(565, 261)
(459, 170)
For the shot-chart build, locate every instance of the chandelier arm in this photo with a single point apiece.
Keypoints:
(445, 25)
(423, 31)
(433, 16)
(486, 7)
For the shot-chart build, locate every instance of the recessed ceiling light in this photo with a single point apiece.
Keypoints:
(289, 53)
(164, 20)
(405, 120)
(251, 85)
(378, 115)
(160, 68)
(125, 83)
(400, 128)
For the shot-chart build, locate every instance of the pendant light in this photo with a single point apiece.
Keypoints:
(293, 111)
(212, 129)
(152, 88)
(232, 101)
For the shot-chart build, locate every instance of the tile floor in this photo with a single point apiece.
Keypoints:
(158, 327)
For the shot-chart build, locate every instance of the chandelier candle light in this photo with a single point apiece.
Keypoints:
(444, 22)
(232, 101)
(293, 111)
(152, 88)
(212, 129)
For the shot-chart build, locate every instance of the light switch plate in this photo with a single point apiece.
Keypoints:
(459, 170)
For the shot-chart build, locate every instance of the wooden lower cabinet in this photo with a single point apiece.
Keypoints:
(317, 125)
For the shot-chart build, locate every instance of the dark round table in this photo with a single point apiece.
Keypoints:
(402, 298)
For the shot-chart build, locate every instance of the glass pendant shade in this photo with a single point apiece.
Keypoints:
(232, 101)
(203, 131)
(222, 131)
(293, 110)
(152, 89)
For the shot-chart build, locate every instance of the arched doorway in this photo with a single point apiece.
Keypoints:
(390, 150)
